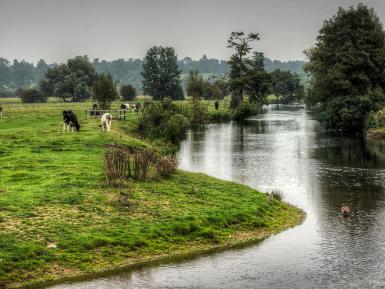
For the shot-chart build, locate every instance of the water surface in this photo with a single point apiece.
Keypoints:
(286, 150)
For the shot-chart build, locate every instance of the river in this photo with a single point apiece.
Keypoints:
(287, 150)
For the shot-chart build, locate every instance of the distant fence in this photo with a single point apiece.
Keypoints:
(116, 113)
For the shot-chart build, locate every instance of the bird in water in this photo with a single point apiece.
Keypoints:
(345, 211)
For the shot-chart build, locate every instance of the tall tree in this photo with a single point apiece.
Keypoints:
(195, 84)
(40, 70)
(22, 73)
(161, 74)
(238, 62)
(105, 91)
(287, 86)
(5, 72)
(258, 81)
(347, 68)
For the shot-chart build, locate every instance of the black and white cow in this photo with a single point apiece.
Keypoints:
(132, 107)
(70, 121)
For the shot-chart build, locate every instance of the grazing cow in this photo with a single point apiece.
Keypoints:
(106, 121)
(70, 121)
(132, 107)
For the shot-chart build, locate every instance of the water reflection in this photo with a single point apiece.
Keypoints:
(286, 149)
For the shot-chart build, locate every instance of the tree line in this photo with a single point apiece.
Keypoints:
(22, 74)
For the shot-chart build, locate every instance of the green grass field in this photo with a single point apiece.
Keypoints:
(59, 219)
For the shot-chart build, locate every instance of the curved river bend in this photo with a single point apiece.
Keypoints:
(286, 150)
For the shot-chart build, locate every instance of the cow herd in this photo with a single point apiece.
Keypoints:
(70, 121)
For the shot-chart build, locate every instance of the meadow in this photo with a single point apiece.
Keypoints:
(59, 218)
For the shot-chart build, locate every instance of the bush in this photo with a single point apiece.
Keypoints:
(198, 111)
(375, 120)
(33, 95)
(128, 92)
(245, 110)
(163, 120)
(220, 116)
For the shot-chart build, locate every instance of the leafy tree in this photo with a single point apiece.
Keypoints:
(161, 74)
(33, 95)
(223, 86)
(105, 91)
(128, 92)
(258, 81)
(71, 81)
(347, 68)
(5, 71)
(22, 73)
(195, 84)
(40, 70)
(195, 88)
(287, 86)
(238, 63)
(217, 92)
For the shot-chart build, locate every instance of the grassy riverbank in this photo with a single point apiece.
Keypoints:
(58, 219)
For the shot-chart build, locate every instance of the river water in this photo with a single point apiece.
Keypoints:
(287, 150)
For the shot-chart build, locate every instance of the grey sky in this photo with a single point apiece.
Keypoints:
(108, 29)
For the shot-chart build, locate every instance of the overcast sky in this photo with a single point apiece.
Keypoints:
(108, 29)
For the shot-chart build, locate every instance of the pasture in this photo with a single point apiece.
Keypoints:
(58, 218)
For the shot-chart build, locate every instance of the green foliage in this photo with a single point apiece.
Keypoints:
(71, 81)
(195, 84)
(161, 74)
(239, 63)
(347, 68)
(33, 95)
(286, 86)
(219, 116)
(198, 111)
(163, 120)
(375, 120)
(128, 92)
(245, 110)
(105, 91)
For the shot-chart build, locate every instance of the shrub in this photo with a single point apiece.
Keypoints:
(128, 92)
(33, 95)
(198, 111)
(245, 110)
(163, 120)
(220, 116)
(375, 120)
